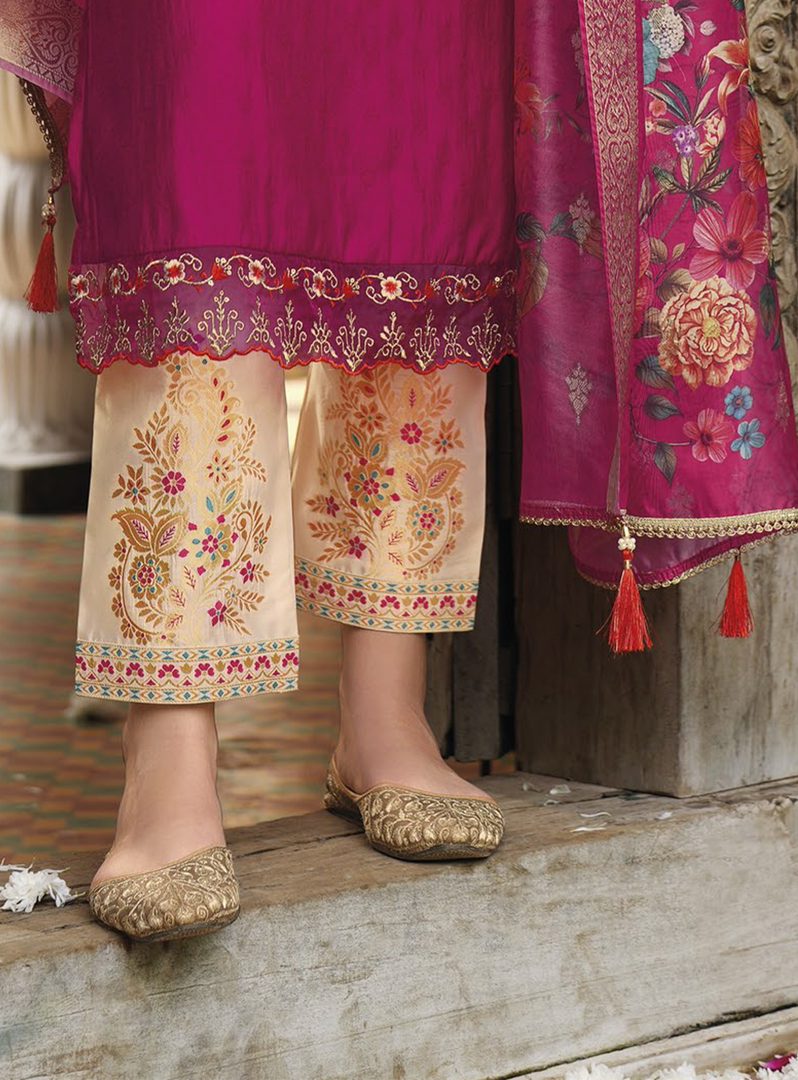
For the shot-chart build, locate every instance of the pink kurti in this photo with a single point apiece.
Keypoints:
(578, 183)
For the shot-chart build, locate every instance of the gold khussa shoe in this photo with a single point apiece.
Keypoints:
(419, 825)
(194, 895)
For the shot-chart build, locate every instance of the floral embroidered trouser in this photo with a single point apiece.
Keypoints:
(201, 541)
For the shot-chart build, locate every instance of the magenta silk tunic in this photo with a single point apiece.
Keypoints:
(578, 183)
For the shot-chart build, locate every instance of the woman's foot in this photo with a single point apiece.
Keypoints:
(170, 807)
(384, 736)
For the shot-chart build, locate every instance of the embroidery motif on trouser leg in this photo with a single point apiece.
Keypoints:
(403, 515)
(387, 502)
(214, 576)
(200, 605)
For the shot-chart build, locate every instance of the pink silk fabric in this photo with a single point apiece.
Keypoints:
(577, 183)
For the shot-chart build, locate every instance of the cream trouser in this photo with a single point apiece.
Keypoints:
(194, 560)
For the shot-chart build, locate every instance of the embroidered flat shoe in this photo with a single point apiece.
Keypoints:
(419, 825)
(194, 895)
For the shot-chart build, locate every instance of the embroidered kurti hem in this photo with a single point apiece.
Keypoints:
(222, 303)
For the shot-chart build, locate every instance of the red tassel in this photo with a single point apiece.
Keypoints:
(42, 292)
(736, 620)
(626, 629)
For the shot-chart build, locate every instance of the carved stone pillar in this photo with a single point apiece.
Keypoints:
(45, 399)
(699, 713)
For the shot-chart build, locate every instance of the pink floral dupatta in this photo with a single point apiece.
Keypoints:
(654, 384)
(655, 387)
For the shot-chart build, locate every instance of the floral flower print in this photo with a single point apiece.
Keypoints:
(173, 482)
(147, 575)
(411, 433)
(710, 434)
(356, 547)
(529, 102)
(650, 55)
(175, 271)
(713, 134)
(215, 541)
(738, 401)
(256, 271)
(448, 438)
(750, 438)
(707, 333)
(132, 486)
(391, 288)
(747, 148)
(734, 53)
(80, 286)
(667, 31)
(217, 612)
(685, 139)
(219, 468)
(370, 487)
(427, 520)
(729, 249)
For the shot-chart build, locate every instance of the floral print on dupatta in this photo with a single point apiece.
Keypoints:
(710, 394)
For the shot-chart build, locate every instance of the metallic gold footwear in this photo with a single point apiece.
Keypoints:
(194, 895)
(420, 825)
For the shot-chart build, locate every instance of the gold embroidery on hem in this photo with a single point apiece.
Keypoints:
(714, 560)
(684, 528)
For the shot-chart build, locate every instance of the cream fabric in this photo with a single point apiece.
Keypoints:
(187, 591)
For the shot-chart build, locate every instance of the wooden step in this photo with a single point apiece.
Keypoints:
(565, 944)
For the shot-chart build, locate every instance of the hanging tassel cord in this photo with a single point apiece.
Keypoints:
(736, 620)
(42, 291)
(626, 630)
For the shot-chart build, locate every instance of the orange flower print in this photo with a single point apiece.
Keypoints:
(747, 148)
(734, 53)
(707, 333)
(713, 134)
(710, 434)
(529, 102)
(732, 248)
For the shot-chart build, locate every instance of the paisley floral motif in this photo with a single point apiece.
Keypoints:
(187, 568)
(389, 477)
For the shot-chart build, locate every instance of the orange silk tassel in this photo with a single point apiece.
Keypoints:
(42, 292)
(626, 629)
(736, 620)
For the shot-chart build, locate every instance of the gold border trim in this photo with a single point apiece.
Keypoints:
(37, 103)
(714, 560)
(770, 521)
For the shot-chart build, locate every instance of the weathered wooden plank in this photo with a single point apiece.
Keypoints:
(345, 963)
(736, 1045)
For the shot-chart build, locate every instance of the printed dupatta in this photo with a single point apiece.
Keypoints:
(654, 386)
(654, 381)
